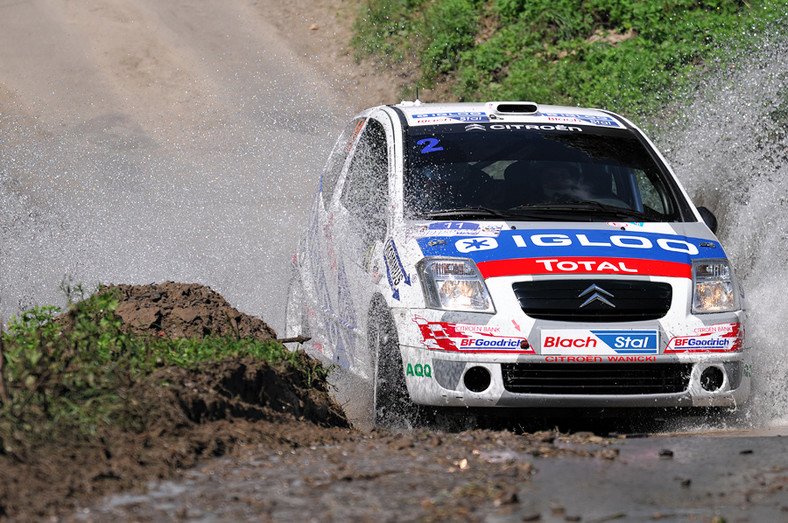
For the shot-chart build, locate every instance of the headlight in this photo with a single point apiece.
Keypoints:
(454, 284)
(714, 287)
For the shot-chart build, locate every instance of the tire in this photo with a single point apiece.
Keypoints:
(391, 404)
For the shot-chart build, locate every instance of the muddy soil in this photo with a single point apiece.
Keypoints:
(184, 311)
(201, 414)
(425, 475)
(496, 476)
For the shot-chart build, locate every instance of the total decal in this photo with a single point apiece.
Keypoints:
(721, 337)
(466, 337)
(604, 342)
(514, 253)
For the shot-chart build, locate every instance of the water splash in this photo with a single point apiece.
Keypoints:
(104, 201)
(729, 146)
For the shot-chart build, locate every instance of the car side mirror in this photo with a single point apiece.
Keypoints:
(708, 218)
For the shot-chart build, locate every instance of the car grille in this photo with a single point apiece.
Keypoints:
(596, 378)
(561, 300)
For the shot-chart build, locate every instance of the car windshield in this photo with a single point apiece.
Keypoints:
(543, 172)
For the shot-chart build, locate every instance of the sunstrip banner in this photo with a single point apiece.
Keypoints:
(552, 251)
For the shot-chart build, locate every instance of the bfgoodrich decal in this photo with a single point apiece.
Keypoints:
(721, 337)
(465, 337)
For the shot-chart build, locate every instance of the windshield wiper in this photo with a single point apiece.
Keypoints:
(563, 211)
(586, 207)
(466, 212)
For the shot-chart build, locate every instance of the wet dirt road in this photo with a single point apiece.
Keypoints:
(480, 476)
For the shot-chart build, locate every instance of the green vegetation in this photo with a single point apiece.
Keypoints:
(624, 55)
(69, 374)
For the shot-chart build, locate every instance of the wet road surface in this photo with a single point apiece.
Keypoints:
(481, 476)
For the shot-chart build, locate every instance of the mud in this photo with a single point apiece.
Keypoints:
(495, 476)
(201, 414)
(184, 311)
(426, 475)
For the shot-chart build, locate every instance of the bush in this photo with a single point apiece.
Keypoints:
(447, 29)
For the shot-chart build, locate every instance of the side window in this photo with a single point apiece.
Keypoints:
(337, 159)
(365, 192)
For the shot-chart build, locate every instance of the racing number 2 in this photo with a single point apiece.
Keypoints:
(431, 146)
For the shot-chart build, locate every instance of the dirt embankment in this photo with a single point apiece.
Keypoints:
(202, 413)
(178, 310)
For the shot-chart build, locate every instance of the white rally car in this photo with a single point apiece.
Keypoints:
(509, 254)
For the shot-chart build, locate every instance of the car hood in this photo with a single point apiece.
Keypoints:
(504, 249)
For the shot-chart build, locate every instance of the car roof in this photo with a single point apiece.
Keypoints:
(419, 114)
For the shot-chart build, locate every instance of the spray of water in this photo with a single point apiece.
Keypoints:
(729, 145)
(153, 144)
(104, 202)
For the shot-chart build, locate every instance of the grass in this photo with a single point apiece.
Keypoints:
(626, 55)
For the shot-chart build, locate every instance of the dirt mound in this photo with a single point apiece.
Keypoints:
(183, 415)
(183, 310)
(238, 389)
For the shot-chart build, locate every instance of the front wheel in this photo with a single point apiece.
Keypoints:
(391, 404)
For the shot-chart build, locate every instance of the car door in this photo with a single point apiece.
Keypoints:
(320, 261)
(360, 217)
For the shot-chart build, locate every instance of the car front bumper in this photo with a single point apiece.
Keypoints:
(676, 381)
(511, 377)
